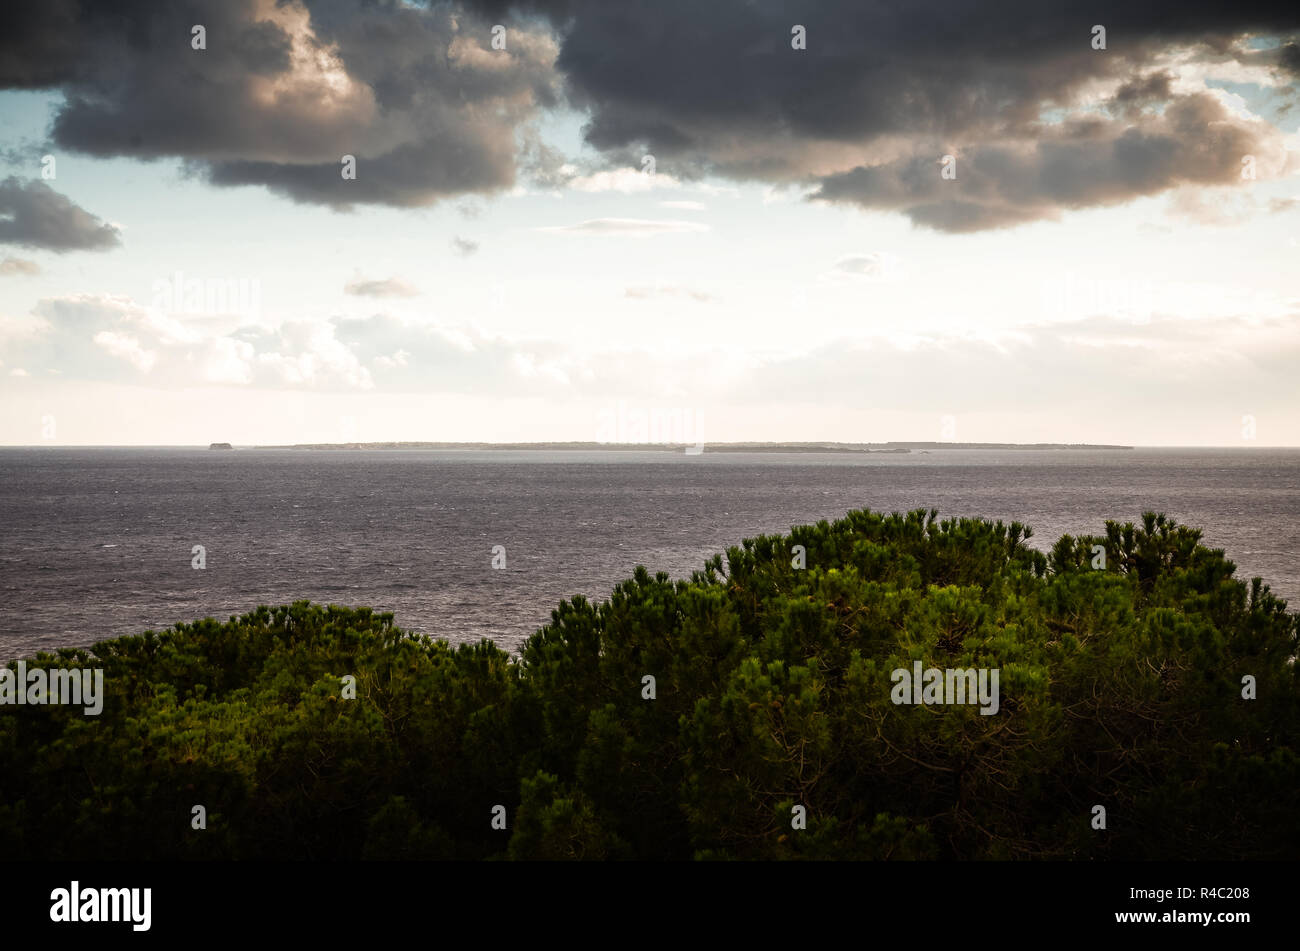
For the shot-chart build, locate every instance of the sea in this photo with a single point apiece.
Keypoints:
(100, 542)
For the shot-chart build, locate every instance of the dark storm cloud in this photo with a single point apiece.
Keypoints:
(284, 90)
(689, 75)
(1141, 91)
(883, 91)
(1289, 58)
(34, 215)
(1194, 142)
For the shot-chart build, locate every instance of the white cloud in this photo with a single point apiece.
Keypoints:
(1126, 368)
(780, 194)
(871, 266)
(627, 227)
(667, 290)
(127, 348)
(24, 327)
(625, 180)
(398, 359)
(228, 361)
(19, 266)
(314, 357)
(388, 287)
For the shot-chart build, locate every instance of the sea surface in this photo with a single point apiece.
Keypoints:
(96, 543)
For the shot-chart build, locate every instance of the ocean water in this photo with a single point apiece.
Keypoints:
(96, 543)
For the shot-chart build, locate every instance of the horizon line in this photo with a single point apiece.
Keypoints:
(590, 445)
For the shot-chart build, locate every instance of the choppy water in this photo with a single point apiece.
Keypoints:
(95, 543)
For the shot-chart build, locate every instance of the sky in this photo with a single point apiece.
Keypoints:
(583, 220)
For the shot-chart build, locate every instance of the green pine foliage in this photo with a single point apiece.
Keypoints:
(1119, 686)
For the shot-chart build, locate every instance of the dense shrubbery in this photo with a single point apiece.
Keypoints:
(1120, 687)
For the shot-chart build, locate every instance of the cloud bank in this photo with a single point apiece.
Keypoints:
(433, 105)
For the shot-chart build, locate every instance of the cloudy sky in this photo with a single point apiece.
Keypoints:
(769, 220)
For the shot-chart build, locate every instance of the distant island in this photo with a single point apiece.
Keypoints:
(221, 445)
(857, 447)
